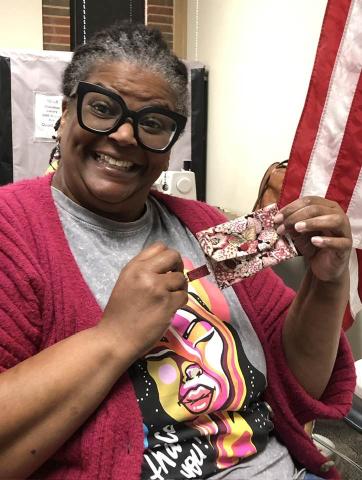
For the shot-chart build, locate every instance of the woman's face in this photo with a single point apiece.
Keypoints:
(197, 368)
(85, 173)
(192, 368)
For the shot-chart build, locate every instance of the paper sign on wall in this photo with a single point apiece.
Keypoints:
(47, 110)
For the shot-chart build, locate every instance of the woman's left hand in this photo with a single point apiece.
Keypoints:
(321, 232)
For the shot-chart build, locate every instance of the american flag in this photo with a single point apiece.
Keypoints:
(326, 155)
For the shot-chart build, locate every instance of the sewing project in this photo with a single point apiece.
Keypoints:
(240, 248)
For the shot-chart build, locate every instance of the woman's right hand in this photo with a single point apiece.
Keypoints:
(148, 292)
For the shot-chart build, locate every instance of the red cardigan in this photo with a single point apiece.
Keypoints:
(43, 299)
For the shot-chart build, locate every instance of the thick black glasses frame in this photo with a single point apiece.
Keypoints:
(85, 87)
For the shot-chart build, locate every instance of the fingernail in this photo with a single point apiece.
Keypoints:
(300, 226)
(317, 241)
(278, 218)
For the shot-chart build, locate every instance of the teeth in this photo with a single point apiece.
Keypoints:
(114, 161)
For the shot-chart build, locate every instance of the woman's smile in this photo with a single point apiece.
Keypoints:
(107, 160)
(116, 166)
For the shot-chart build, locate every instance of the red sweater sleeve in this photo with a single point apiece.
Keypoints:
(20, 290)
(266, 300)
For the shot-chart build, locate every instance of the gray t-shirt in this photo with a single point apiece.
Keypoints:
(210, 358)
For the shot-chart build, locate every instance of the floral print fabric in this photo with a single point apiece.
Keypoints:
(240, 248)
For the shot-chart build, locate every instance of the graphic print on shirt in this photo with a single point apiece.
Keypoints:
(198, 393)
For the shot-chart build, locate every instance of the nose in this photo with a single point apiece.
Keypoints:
(193, 371)
(124, 135)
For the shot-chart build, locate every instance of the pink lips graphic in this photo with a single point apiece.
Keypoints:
(198, 399)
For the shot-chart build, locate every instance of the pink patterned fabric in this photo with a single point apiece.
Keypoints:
(242, 247)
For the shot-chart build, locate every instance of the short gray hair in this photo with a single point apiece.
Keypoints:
(135, 44)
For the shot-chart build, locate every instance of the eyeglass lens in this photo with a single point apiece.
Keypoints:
(101, 113)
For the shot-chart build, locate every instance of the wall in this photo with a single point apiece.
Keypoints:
(56, 25)
(160, 15)
(56, 21)
(21, 24)
(259, 55)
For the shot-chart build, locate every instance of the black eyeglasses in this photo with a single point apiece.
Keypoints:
(102, 111)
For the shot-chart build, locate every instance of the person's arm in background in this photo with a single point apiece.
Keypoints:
(311, 332)
(46, 398)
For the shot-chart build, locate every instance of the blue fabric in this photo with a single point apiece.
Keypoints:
(310, 476)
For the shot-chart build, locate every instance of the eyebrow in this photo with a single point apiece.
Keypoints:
(144, 98)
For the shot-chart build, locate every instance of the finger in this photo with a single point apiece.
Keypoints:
(149, 252)
(335, 243)
(316, 218)
(335, 223)
(179, 299)
(165, 261)
(306, 213)
(175, 281)
(306, 203)
(306, 207)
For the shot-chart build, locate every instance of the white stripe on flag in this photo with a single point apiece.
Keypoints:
(354, 213)
(354, 299)
(342, 87)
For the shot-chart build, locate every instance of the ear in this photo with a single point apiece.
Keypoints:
(63, 118)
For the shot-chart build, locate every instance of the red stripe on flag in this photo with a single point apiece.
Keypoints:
(359, 257)
(348, 165)
(332, 31)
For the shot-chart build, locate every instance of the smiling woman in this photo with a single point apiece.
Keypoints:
(126, 370)
(110, 160)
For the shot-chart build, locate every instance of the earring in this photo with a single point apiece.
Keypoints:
(55, 155)
(164, 184)
(56, 151)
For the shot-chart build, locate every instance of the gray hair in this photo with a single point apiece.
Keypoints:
(135, 44)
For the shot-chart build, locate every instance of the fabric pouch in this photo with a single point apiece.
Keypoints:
(240, 248)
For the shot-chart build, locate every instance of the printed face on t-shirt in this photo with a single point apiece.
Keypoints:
(195, 363)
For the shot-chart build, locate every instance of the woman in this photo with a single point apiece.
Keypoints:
(113, 366)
